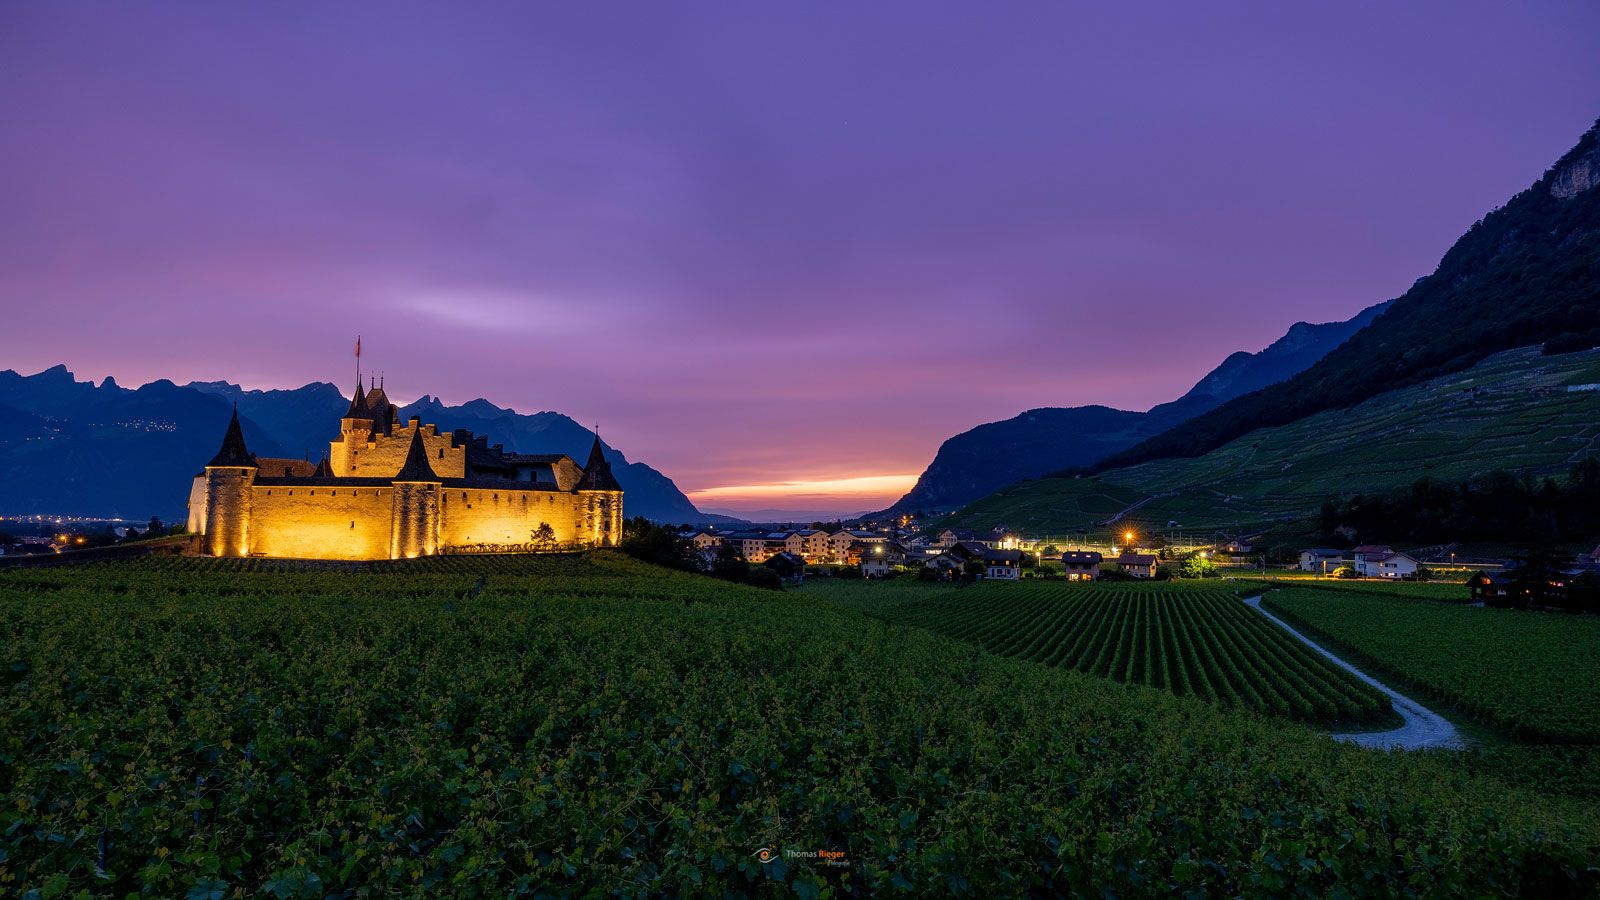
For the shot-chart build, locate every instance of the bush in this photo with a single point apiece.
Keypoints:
(1346, 572)
(763, 577)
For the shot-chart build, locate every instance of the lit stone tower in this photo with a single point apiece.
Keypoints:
(354, 430)
(601, 515)
(229, 477)
(414, 527)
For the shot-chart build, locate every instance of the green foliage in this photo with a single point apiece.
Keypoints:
(1194, 641)
(1528, 674)
(1496, 506)
(1197, 566)
(593, 725)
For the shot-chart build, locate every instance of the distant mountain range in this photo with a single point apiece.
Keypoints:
(1051, 439)
(78, 448)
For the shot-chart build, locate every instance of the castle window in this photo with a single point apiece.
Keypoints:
(441, 453)
(463, 495)
(291, 493)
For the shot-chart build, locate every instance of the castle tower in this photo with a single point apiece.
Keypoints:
(229, 477)
(355, 430)
(601, 522)
(414, 522)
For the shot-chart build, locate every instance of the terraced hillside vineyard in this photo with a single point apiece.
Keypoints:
(1511, 411)
(1198, 641)
(1529, 674)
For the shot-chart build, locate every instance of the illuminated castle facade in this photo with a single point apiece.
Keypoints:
(393, 490)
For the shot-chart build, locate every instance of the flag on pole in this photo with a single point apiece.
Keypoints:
(358, 346)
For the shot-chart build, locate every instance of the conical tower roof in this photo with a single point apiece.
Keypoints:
(417, 467)
(597, 472)
(358, 404)
(323, 469)
(233, 452)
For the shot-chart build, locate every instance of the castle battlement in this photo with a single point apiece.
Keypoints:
(392, 490)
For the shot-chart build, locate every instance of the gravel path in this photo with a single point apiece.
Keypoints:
(1423, 727)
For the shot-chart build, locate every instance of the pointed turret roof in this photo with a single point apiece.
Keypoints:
(233, 451)
(358, 404)
(323, 469)
(417, 467)
(597, 472)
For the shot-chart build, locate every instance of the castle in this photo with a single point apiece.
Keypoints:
(393, 490)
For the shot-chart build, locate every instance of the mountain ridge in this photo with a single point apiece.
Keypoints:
(1045, 440)
(77, 448)
(1527, 272)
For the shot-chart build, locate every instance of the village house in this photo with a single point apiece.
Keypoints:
(1139, 565)
(705, 540)
(952, 536)
(1367, 556)
(879, 558)
(1320, 560)
(1081, 565)
(1005, 538)
(1486, 587)
(814, 544)
(1004, 565)
(790, 567)
(1395, 565)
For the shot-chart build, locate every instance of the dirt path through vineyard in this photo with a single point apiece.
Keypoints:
(1423, 727)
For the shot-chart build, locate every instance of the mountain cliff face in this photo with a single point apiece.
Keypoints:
(78, 448)
(1040, 441)
(1527, 273)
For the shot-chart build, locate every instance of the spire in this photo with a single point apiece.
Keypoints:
(323, 469)
(597, 472)
(358, 405)
(416, 467)
(233, 452)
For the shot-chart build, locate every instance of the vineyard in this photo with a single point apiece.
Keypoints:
(577, 725)
(1198, 641)
(1530, 675)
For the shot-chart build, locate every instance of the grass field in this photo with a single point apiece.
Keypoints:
(1527, 674)
(497, 727)
(1510, 411)
(1191, 638)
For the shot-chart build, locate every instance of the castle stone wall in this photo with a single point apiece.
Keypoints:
(478, 516)
(353, 457)
(322, 522)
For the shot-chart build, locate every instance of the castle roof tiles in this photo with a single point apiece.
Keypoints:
(233, 451)
(416, 467)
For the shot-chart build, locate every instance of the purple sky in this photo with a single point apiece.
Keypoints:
(757, 243)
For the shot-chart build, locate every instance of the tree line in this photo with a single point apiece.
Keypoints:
(1498, 506)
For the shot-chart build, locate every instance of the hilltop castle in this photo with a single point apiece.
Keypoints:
(392, 490)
